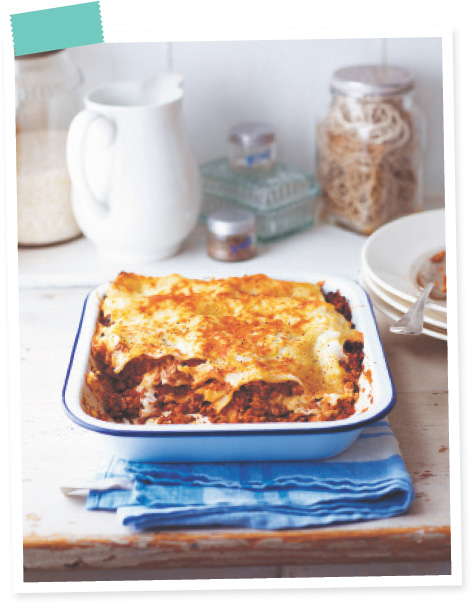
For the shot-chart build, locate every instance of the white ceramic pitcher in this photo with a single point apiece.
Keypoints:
(135, 183)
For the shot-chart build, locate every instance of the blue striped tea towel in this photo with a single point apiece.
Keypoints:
(367, 481)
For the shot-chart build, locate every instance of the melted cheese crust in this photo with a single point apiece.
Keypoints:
(239, 330)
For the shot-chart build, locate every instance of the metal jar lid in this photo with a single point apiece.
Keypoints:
(249, 134)
(231, 221)
(375, 80)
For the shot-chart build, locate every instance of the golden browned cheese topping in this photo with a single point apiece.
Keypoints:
(220, 335)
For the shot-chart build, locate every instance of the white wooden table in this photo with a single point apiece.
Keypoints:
(63, 541)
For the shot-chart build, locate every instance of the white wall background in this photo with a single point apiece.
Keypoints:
(284, 82)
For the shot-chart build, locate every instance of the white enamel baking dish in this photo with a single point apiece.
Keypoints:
(239, 442)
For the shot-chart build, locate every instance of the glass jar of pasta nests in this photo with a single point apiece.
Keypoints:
(370, 148)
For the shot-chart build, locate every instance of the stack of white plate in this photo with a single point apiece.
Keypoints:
(390, 259)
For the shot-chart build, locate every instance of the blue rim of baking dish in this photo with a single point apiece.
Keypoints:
(308, 429)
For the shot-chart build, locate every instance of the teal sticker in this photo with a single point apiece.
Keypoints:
(56, 28)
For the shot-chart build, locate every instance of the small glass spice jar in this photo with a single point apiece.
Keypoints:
(252, 146)
(370, 148)
(231, 235)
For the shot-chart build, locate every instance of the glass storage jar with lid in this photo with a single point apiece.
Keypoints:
(370, 148)
(231, 234)
(252, 146)
(47, 98)
(282, 197)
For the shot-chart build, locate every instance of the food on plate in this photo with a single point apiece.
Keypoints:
(438, 257)
(439, 260)
(173, 350)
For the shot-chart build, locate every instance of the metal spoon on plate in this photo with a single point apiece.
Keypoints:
(431, 279)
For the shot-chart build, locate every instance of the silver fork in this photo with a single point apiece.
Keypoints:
(412, 323)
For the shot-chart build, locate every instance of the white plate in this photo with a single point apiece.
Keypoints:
(240, 442)
(393, 250)
(399, 302)
(432, 318)
(394, 314)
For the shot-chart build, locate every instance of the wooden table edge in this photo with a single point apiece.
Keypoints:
(229, 548)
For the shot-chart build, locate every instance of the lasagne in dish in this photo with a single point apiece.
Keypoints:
(236, 350)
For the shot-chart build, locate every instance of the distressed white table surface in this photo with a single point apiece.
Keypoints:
(62, 541)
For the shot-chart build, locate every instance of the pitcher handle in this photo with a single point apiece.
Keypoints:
(90, 207)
